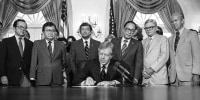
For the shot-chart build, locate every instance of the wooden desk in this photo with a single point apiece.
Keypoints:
(101, 93)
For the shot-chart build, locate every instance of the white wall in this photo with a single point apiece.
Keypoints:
(191, 10)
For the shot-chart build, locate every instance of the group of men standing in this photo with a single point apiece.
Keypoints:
(109, 63)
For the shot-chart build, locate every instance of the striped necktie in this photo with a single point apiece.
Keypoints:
(86, 49)
(103, 73)
(124, 46)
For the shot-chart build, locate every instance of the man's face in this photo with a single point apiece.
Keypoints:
(129, 30)
(177, 22)
(105, 55)
(150, 29)
(20, 28)
(85, 32)
(49, 32)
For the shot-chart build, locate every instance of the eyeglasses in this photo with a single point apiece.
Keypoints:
(149, 28)
(131, 30)
(21, 27)
(50, 30)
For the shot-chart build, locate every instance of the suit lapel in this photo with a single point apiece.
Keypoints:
(130, 46)
(91, 48)
(25, 47)
(15, 45)
(182, 39)
(56, 46)
(44, 45)
(153, 44)
(118, 48)
(82, 48)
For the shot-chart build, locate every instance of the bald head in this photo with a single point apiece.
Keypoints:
(177, 19)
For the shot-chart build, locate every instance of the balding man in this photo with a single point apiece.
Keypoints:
(184, 54)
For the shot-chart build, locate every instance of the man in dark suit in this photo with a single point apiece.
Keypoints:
(48, 58)
(16, 57)
(129, 51)
(100, 71)
(83, 49)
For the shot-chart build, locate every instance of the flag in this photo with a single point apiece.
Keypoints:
(112, 24)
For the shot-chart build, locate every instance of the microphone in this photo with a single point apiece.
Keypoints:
(121, 67)
(123, 71)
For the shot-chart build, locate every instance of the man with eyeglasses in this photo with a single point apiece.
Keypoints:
(130, 51)
(184, 54)
(156, 54)
(48, 59)
(16, 57)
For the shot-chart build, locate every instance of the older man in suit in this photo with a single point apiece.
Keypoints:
(156, 54)
(48, 58)
(16, 57)
(83, 49)
(130, 51)
(101, 71)
(184, 54)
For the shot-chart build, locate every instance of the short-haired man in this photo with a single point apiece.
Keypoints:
(130, 51)
(184, 53)
(16, 57)
(156, 54)
(100, 71)
(85, 48)
(48, 58)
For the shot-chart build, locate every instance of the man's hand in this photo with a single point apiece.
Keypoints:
(145, 75)
(195, 79)
(149, 71)
(105, 83)
(88, 82)
(4, 80)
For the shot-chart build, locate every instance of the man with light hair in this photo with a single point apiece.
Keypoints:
(156, 54)
(184, 54)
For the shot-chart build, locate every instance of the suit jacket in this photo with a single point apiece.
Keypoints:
(77, 53)
(12, 64)
(156, 58)
(45, 68)
(133, 56)
(186, 60)
(92, 69)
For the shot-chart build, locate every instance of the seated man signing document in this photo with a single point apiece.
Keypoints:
(101, 71)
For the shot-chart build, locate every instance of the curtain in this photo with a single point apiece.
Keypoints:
(7, 15)
(123, 12)
(30, 6)
(52, 12)
(167, 11)
(147, 6)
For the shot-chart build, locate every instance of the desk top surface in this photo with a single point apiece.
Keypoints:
(101, 93)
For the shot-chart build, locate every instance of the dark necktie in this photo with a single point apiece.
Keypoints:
(124, 46)
(103, 73)
(86, 49)
(20, 46)
(176, 40)
(50, 48)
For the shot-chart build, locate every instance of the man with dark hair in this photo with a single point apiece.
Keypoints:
(130, 51)
(48, 58)
(84, 48)
(16, 57)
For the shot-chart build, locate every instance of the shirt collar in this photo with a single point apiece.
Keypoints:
(181, 30)
(88, 41)
(47, 41)
(17, 37)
